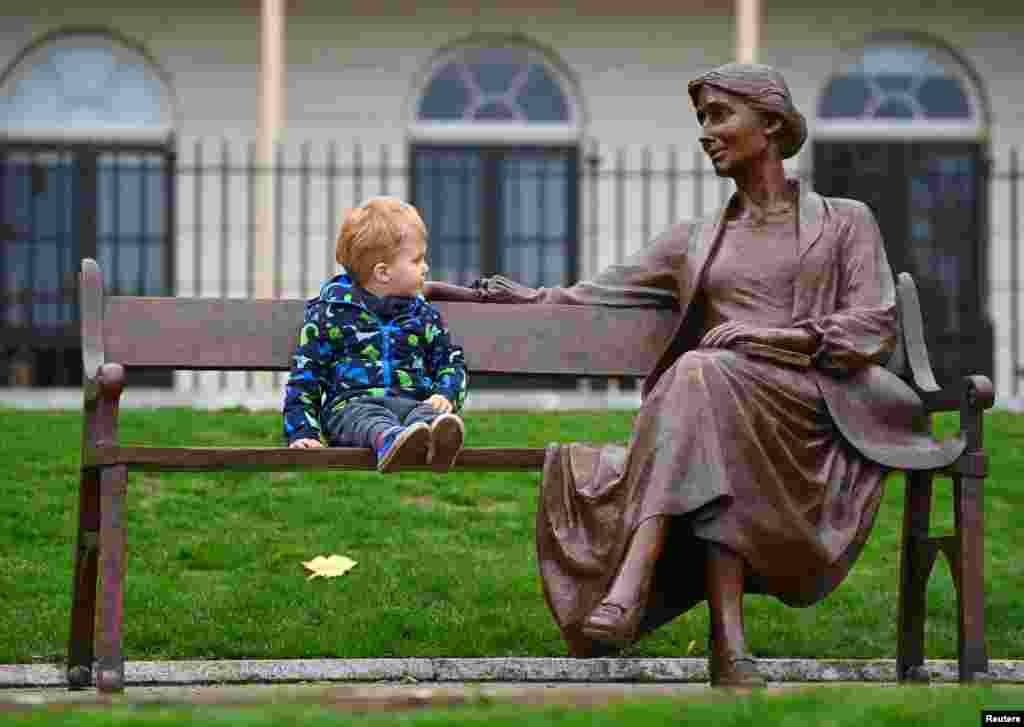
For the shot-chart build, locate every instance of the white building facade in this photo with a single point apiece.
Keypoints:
(508, 126)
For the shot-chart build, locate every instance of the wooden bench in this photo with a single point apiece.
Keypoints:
(120, 333)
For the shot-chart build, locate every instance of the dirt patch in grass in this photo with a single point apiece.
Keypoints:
(484, 504)
(425, 502)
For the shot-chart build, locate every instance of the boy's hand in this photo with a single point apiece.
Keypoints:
(306, 444)
(440, 404)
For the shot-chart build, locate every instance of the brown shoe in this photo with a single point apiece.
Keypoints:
(408, 448)
(734, 670)
(613, 624)
(446, 435)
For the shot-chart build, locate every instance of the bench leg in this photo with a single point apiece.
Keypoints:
(83, 583)
(917, 556)
(968, 494)
(113, 487)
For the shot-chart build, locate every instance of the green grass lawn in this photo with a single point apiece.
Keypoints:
(946, 706)
(446, 563)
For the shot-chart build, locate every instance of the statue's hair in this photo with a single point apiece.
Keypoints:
(765, 91)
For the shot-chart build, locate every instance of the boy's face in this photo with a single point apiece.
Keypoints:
(408, 271)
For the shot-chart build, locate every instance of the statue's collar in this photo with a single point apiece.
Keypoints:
(810, 217)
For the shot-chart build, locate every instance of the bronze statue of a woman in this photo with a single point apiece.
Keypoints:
(751, 468)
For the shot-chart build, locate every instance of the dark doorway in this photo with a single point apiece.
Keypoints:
(58, 204)
(930, 199)
(508, 210)
(511, 210)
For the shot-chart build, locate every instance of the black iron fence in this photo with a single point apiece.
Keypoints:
(184, 221)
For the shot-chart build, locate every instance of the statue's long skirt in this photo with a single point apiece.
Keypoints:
(739, 451)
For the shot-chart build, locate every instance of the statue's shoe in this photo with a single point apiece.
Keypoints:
(611, 623)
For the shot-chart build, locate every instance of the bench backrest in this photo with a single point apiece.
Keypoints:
(241, 334)
(252, 335)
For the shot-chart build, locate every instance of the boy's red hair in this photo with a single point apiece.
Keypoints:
(372, 234)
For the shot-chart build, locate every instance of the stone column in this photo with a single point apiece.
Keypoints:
(269, 128)
(748, 30)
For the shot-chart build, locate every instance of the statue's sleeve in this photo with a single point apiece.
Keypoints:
(647, 279)
(862, 328)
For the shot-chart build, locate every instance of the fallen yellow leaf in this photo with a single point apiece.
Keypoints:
(691, 648)
(331, 567)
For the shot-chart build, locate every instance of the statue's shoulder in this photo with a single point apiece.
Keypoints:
(847, 207)
(677, 237)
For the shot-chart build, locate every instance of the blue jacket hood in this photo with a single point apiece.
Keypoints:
(343, 289)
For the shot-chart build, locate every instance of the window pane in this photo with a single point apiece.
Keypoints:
(845, 96)
(894, 81)
(446, 97)
(84, 82)
(944, 98)
(448, 196)
(501, 84)
(533, 244)
(900, 81)
(541, 98)
(494, 69)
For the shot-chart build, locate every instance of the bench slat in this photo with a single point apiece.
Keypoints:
(228, 334)
(286, 459)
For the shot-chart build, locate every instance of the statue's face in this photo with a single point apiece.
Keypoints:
(732, 133)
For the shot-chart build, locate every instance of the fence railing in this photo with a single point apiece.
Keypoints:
(624, 198)
(595, 206)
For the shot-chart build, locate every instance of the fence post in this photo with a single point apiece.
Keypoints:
(620, 205)
(304, 221)
(1014, 271)
(594, 165)
(250, 236)
(357, 175)
(332, 224)
(140, 280)
(645, 175)
(225, 220)
(673, 185)
(197, 233)
(278, 173)
(278, 176)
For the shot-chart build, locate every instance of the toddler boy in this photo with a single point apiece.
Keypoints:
(375, 366)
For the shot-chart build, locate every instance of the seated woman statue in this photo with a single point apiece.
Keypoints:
(766, 428)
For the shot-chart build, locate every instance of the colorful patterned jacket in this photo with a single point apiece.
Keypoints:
(353, 343)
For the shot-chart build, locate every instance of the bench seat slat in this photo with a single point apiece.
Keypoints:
(284, 458)
(236, 334)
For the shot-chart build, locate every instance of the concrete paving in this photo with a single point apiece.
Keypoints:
(359, 697)
(366, 685)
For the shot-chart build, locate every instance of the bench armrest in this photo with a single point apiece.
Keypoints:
(912, 335)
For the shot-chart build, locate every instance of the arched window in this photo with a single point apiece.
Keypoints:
(86, 170)
(84, 85)
(902, 126)
(899, 85)
(496, 89)
(495, 127)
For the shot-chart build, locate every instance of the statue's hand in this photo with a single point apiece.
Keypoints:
(434, 290)
(726, 335)
(499, 289)
(495, 289)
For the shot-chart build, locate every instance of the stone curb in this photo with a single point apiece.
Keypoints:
(510, 669)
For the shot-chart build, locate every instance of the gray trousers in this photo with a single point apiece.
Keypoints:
(361, 420)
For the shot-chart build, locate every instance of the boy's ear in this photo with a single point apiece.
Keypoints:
(381, 272)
